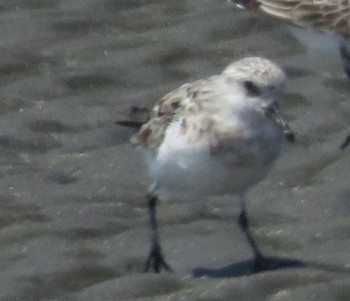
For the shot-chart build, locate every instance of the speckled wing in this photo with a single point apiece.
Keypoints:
(167, 109)
(322, 15)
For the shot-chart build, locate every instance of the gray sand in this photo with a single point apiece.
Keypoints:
(73, 221)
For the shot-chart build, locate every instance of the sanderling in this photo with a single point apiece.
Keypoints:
(321, 15)
(213, 137)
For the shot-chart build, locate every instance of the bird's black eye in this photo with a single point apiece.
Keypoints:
(251, 88)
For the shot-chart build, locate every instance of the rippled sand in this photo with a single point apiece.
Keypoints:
(73, 222)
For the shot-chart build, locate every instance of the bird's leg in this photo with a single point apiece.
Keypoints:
(155, 258)
(259, 260)
(345, 143)
(344, 49)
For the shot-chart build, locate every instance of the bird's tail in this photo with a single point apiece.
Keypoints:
(137, 116)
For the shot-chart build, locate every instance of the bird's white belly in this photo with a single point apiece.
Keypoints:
(183, 167)
(199, 174)
(208, 178)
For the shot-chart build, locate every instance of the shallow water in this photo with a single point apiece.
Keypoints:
(73, 221)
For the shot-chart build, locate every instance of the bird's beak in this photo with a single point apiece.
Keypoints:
(272, 112)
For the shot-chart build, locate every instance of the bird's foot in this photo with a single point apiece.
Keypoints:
(156, 260)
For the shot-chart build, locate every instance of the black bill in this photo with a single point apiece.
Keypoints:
(272, 112)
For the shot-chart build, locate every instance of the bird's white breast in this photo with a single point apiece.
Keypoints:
(187, 167)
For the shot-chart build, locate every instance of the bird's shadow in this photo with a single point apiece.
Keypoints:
(273, 263)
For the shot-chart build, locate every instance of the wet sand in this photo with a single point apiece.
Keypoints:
(73, 221)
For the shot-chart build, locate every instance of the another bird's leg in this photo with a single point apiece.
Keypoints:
(344, 49)
(244, 224)
(345, 143)
(155, 258)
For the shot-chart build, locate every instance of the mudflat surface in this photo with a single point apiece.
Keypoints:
(73, 221)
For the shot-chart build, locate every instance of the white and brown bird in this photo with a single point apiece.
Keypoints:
(212, 137)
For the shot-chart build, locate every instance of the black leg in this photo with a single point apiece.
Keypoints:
(155, 258)
(260, 262)
(344, 50)
(345, 143)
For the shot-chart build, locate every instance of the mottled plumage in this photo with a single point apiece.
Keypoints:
(168, 108)
(187, 100)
